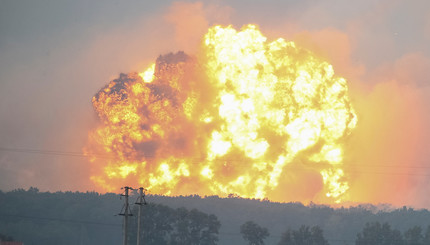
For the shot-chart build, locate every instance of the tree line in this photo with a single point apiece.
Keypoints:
(373, 233)
(164, 225)
(36, 217)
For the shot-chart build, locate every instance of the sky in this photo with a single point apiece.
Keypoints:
(56, 55)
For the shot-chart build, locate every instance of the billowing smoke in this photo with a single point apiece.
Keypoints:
(246, 116)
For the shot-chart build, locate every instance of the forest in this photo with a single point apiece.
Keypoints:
(35, 217)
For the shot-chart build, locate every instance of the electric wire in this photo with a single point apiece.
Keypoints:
(60, 220)
(350, 168)
(120, 225)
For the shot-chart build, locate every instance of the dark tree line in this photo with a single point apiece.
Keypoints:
(70, 218)
(373, 233)
(165, 225)
(253, 233)
(305, 235)
(382, 234)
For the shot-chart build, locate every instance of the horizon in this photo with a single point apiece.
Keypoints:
(374, 208)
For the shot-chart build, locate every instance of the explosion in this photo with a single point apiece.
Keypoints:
(233, 119)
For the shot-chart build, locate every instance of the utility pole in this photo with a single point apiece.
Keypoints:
(82, 234)
(140, 201)
(126, 212)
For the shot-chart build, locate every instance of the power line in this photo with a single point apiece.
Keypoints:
(60, 220)
(81, 154)
(117, 225)
(69, 153)
(52, 152)
(349, 168)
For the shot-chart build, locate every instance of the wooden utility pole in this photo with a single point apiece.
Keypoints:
(140, 201)
(126, 213)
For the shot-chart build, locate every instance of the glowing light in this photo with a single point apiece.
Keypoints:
(230, 121)
(148, 75)
(207, 172)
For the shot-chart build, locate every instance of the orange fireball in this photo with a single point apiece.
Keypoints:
(241, 117)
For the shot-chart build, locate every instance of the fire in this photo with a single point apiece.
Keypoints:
(230, 120)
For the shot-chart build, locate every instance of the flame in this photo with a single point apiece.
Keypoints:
(147, 76)
(234, 119)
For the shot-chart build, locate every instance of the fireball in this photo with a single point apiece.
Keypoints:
(240, 117)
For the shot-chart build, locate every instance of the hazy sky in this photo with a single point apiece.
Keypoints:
(55, 55)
